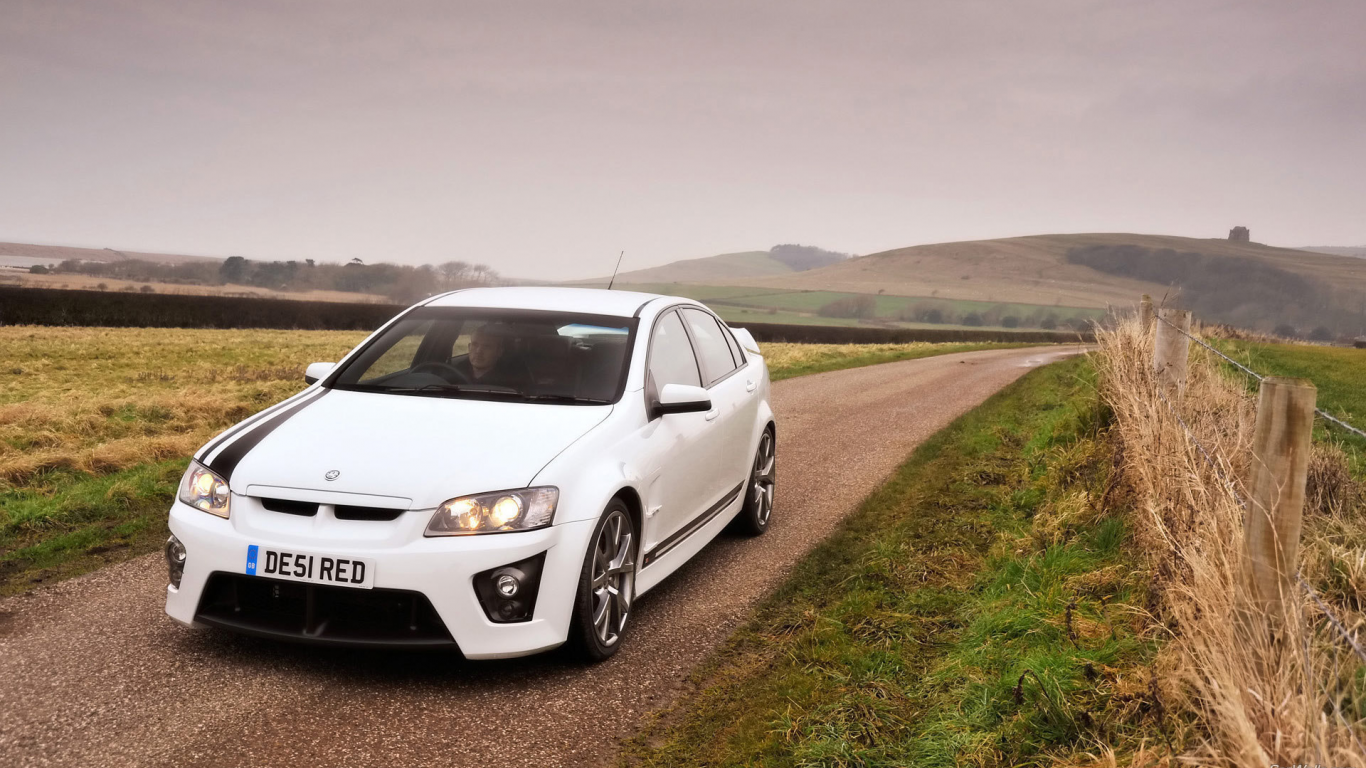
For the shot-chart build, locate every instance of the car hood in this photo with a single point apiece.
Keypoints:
(422, 450)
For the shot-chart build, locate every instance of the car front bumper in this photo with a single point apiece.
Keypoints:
(439, 570)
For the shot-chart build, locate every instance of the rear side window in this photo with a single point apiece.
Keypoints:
(717, 361)
(671, 357)
(734, 346)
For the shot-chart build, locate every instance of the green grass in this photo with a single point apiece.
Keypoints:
(68, 523)
(970, 612)
(741, 304)
(889, 306)
(743, 315)
(1339, 374)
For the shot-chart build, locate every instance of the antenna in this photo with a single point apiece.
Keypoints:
(614, 271)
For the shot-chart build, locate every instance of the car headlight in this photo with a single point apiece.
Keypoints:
(202, 489)
(520, 510)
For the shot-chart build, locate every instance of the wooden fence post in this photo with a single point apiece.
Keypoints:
(1280, 466)
(1145, 311)
(1172, 349)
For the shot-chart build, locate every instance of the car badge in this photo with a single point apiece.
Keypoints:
(331, 475)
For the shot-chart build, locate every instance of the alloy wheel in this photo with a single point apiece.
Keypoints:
(614, 577)
(764, 480)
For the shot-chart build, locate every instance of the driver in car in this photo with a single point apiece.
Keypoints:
(488, 363)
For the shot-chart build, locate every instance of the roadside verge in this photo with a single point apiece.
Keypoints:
(977, 608)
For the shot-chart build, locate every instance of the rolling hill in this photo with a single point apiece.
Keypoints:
(730, 267)
(1358, 251)
(1036, 269)
(26, 254)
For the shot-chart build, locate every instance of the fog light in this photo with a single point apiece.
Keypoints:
(175, 560)
(508, 593)
(508, 585)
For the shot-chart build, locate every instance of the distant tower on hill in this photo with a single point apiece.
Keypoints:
(1239, 235)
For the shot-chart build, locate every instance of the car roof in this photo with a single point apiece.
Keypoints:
(595, 301)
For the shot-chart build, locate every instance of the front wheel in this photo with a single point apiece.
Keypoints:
(763, 479)
(607, 585)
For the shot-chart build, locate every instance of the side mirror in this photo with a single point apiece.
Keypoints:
(317, 371)
(680, 398)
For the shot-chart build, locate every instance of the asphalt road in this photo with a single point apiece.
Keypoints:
(92, 673)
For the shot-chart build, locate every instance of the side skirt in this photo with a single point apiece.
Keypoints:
(679, 536)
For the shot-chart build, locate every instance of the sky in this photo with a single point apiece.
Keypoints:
(544, 137)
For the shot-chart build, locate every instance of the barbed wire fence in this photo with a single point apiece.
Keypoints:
(1345, 636)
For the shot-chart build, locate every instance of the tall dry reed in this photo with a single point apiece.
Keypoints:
(1247, 689)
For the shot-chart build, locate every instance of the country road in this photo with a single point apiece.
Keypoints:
(92, 673)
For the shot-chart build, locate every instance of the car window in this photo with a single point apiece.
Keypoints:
(734, 346)
(671, 357)
(528, 355)
(400, 356)
(711, 345)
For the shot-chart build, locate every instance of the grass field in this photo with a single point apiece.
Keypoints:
(1339, 374)
(97, 424)
(976, 610)
(800, 307)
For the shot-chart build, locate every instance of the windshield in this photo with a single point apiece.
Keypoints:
(496, 354)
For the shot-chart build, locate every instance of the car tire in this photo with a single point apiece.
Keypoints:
(607, 585)
(757, 512)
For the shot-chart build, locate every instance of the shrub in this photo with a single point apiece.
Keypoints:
(128, 308)
(860, 306)
(38, 269)
(972, 318)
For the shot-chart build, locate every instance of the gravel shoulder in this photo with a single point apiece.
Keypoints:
(95, 674)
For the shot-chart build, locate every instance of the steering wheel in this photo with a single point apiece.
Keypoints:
(442, 369)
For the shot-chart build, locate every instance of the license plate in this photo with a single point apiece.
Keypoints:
(310, 567)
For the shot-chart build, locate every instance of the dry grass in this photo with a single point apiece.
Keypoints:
(1252, 689)
(99, 400)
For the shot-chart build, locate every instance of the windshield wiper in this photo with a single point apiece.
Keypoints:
(507, 392)
(566, 399)
(425, 388)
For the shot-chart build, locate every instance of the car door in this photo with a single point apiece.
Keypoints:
(731, 395)
(680, 482)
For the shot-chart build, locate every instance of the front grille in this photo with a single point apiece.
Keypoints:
(341, 511)
(316, 613)
(347, 512)
(304, 508)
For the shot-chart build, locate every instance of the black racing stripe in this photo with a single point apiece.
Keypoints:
(663, 547)
(226, 461)
(641, 308)
(241, 426)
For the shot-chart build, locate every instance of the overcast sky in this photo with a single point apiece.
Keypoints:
(544, 137)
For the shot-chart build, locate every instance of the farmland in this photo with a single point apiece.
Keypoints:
(96, 425)
(1337, 372)
(769, 305)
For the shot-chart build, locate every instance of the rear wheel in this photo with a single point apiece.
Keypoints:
(607, 585)
(758, 510)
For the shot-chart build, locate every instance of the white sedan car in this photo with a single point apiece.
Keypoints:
(496, 470)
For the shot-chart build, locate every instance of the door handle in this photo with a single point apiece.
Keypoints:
(712, 414)
(750, 386)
